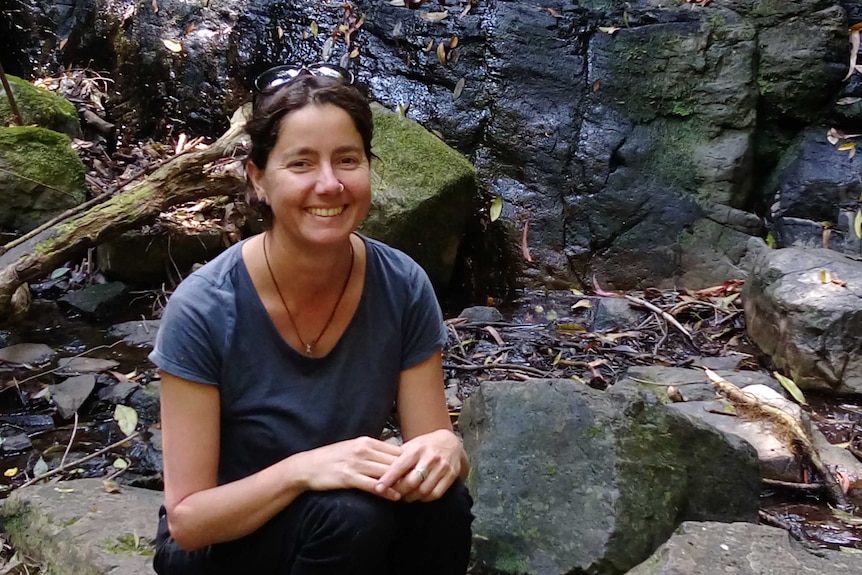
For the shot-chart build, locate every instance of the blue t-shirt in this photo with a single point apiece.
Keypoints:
(276, 401)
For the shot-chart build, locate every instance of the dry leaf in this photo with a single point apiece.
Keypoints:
(856, 27)
(441, 53)
(495, 334)
(111, 486)
(608, 29)
(846, 146)
(453, 42)
(127, 418)
(397, 3)
(63, 43)
(839, 282)
(434, 16)
(11, 472)
(847, 101)
(825, 278)
(854, 49)
(172, 45)
(834, 136)
(343, 28)
(583, 303)
(354, 53)
(826, 235)
(553, 12)
(429, 47)
(189, 28)
(459, 87)
(596, 85)
(327, 48)
(315, 29)
(525, 246)
(155, 6)
(857, 224)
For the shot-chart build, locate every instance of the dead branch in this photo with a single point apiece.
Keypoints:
(12, 104)
(188, 177)
(667, 317)
(788, 424)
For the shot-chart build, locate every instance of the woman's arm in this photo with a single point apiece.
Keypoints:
(430, 445)
(201, 512)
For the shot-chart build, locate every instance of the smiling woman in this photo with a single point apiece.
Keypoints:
(282, 358)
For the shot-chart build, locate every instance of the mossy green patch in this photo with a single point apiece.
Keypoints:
(130, 544)
(40, 107)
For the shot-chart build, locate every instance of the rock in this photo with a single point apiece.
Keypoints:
(97, 301)
(481, 314)
(809, 328)
(136, 333)
(86, 364)
(423, 191)
(118, 392)
(835, 457)
(27, 353)
(614, 314)
(452, 399)
(742, 549)
(41, 176)
(158, 254)
(17, 443)
(569, 479)
(41, 108)
(30, 422)
(146, 401)
(777, 461)
(77, 528)
(69, 395)
(693, 384)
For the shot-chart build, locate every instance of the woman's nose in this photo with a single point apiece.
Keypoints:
(328, 182)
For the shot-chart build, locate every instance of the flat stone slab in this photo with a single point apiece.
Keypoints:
(742, 549)
(78, 528)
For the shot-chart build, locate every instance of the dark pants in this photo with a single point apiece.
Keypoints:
(339, 533)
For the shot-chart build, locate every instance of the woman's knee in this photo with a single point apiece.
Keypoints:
(350, 515)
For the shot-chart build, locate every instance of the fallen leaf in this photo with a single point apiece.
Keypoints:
(155, 6)
(120, 463)
(11, 472)
(326, 52)
(111, 486)
(434, 16)
(584, 303)
(189, 28)
(791, 388)
(63, 43)
(839, 282)
(496, 208)
(608, 29)
(354, 53)
(64, 490)
(846, 146)
(857, 224)
(429, 47)
(596, 85)
(847, 101)
(525, 246)
(172, 45)
(553, 12)
(453, 42)
(824, 277)
(315, 29)
(398, 3)
(825, 237)
(834, 136)
(441, 53)
(854, 50)
(40, 468)
(127, 418)
(343, 28)
(770, 241)
(459, 87)
(856, 27)
(495, 334)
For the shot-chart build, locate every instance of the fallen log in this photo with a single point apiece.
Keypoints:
(789, 427)
(212, 171)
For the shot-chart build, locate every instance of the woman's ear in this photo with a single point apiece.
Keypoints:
(255, 175)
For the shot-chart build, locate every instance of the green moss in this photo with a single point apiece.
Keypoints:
(43, 156)
(129, 544)
(40, 107)
(552, 470)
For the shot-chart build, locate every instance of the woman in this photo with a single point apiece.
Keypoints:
(281, 360)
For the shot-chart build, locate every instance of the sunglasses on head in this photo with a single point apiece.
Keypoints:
(281, 75)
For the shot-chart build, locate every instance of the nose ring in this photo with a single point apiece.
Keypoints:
(340, 187)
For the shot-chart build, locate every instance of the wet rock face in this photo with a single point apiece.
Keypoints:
(569, 479)
(799, 311)
(617, 147)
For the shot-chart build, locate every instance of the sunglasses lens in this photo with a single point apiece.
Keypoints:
(281, 75)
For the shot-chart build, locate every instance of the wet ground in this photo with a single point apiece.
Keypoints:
(557, 334)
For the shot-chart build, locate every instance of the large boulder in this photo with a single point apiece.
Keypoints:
(423, 191)
(568, 479)
(41, 176)
(742, 549)
(802, 309)
(80, 528)
(41, 108)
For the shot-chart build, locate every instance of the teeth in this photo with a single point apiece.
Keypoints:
(326, 212)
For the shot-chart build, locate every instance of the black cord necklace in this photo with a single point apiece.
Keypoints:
(309, 347)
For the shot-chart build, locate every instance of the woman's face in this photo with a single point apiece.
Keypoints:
(317, 151)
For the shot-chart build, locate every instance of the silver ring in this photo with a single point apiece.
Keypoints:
(422, 473)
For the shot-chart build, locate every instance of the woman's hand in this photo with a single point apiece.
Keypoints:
(351, 464)
(426, 468)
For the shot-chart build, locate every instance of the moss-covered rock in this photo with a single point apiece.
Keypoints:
(40, 107)
(40, 176)
(423, 191)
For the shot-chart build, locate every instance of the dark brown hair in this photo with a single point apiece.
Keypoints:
(270, 107)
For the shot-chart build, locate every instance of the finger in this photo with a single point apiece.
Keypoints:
(398, 470)
(370, 485)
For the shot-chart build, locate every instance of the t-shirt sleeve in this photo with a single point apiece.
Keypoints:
(423, 330)
(187, 343)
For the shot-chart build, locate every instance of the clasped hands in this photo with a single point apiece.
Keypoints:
(421, 469)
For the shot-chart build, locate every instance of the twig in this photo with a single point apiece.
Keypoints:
(32, 181)
(789, 424)
(502, 366)
(77, 462)
(12, 104)
(668, 318)
(71, 440)
(803, 487)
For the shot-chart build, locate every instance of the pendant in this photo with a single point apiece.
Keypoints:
(308, 350)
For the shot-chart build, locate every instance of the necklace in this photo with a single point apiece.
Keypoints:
(309, 347)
